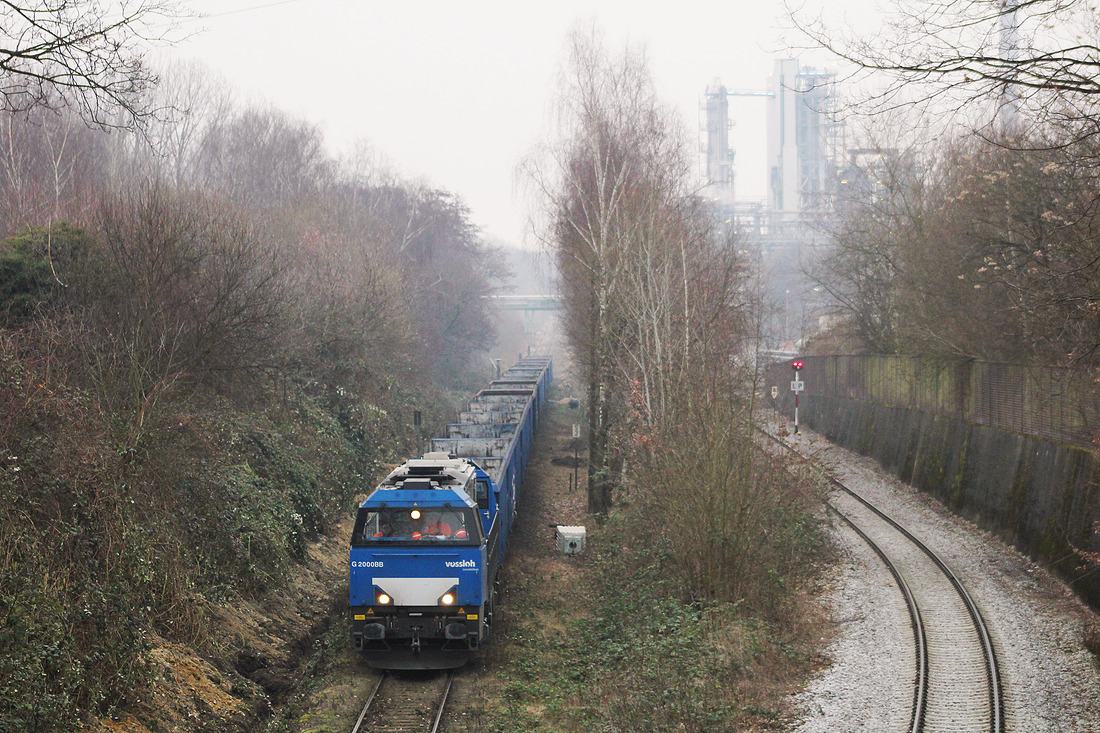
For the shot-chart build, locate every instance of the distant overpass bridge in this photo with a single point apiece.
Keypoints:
(529, 304)
(526, 302)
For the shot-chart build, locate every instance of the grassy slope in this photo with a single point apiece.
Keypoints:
(179, 578)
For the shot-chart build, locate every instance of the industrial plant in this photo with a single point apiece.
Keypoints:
(805, 157)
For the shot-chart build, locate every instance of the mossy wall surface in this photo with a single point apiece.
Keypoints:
(1041, 495)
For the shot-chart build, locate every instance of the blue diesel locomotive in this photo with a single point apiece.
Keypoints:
(428, 542)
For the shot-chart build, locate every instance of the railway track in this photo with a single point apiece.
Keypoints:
(405, 703)
(956, 683)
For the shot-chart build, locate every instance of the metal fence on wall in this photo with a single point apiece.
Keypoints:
(1054, 403)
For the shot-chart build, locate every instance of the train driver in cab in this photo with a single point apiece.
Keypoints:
(435, 525)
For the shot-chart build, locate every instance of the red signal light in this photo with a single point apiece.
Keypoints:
(796, 365)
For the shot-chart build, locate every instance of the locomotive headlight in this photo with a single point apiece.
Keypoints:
(448, 599)
(415, 514)
(383, 599)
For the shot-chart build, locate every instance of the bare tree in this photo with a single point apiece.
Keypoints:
(585, 184)
(344, 302)
(1003, 57)
(51, 168)
(883, 201)
(441, 263)
(649, 289)
(1018, 227)
(191, 101)
(265, 158)
(969, 249)
(84, 53)
(1002, 263)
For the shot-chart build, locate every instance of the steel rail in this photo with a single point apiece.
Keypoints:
(440, 706)
(993, 677)
(443, 703)
(920, 639)
(370, 699)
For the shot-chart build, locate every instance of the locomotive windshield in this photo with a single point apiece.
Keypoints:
(447, 525)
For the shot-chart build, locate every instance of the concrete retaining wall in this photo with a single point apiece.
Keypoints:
(1038, 494)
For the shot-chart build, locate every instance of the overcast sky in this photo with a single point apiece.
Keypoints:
(456, 93)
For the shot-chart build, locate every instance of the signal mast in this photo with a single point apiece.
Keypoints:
(796, 386)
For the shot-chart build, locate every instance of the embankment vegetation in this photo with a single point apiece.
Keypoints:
(212, 334)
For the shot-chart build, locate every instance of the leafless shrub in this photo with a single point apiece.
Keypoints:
(742, 518)
(187, 290)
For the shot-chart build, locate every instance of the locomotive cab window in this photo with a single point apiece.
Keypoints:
(444, 525)
(482, 494)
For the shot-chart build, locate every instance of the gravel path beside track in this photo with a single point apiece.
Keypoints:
(1051, 682)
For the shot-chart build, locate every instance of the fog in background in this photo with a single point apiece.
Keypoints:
(458, 93)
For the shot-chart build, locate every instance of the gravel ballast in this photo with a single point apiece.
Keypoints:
(1051, 681)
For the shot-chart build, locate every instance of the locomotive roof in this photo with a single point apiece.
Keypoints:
(434, 479)
(439, 468)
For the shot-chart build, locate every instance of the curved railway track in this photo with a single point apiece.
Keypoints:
(405, 703)
(956, 684)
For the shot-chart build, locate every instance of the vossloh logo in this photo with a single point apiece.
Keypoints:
(460, 564)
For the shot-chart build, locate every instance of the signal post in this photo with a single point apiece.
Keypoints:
(796, 386)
